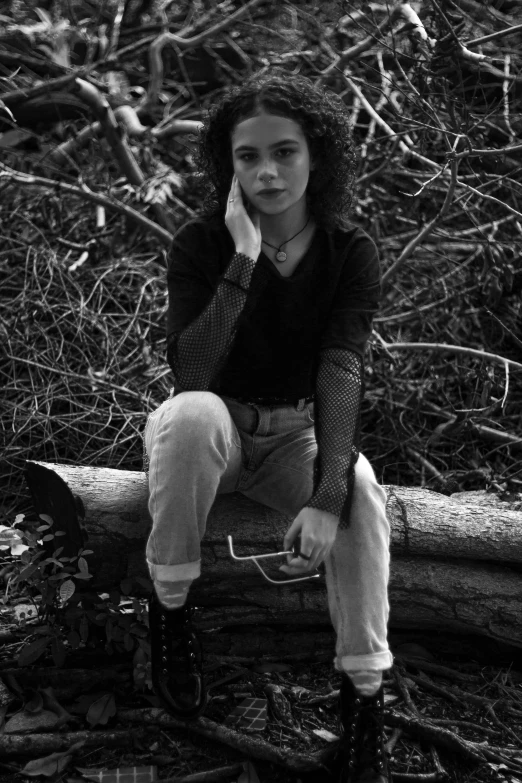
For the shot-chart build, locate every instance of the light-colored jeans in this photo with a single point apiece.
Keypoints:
(199, 445)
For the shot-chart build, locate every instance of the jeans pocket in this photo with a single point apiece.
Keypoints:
(310, 413)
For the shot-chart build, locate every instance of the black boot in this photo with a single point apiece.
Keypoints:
(176, 660)
(362, 756)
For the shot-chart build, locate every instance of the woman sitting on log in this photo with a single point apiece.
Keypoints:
(271, 299)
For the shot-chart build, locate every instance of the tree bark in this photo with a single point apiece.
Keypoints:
(456, 562)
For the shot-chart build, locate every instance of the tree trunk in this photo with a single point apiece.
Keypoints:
(456, 561)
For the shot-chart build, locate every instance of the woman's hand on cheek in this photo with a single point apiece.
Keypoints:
(318, 530)
(244, 228)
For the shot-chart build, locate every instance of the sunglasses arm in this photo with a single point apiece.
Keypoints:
(272, 554)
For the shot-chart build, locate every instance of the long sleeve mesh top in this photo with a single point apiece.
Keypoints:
(239, 328)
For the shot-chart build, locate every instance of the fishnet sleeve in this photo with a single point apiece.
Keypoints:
(197, 353)
(339, 387)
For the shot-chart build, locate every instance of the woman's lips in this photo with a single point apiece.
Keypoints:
(271, 194)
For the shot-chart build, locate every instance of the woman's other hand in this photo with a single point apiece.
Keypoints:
(244, 228)
(317, 530)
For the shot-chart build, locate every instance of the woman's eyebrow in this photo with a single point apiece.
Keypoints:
(244, 147)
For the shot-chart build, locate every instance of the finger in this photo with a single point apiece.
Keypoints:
(299, 564)
(290, 537)
(294, 570)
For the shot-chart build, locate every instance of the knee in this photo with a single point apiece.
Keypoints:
(369, 496)
(194, 414)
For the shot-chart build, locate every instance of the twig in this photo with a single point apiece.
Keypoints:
(406, 148)
(85, 192)
(128, 164)
(281, 709)
(410, 247)
(490, 198)
(464, 724)
(63, 372)
(485, 153)
(435, 668)
(34, 744)
(442, 738)
(252, 746)
(115, 34)
(359, 48)
(18, 96)
(404, 691)
(442, 347)
(209, 776)
(494, 36)
(156, 47)
(418, 777)
(425, 463)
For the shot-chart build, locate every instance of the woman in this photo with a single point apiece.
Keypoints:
(271, 298)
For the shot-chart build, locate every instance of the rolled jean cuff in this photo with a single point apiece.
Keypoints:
(174, 573)
(360, 663)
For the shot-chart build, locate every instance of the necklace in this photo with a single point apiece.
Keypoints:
(281, 255)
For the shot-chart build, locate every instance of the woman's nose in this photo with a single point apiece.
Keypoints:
(267, 170)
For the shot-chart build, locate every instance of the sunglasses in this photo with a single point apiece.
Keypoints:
(294, 551)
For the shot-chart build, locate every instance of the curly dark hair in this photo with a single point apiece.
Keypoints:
(324, 120)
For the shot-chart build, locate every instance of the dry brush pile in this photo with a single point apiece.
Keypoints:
(99, 107)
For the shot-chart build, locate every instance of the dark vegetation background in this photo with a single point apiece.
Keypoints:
(83, 295)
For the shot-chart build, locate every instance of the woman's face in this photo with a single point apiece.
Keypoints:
(271, 152)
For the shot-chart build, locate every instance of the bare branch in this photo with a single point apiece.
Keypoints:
(415, 242)
(85, 192)
(493, 36)
(442, 347)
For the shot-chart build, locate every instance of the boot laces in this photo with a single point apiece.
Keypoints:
(171, 640)
(374, 730)
(364, 735)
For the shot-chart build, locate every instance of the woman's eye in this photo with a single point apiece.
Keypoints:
(285, 153)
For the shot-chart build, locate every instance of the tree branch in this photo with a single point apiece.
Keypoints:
(86, 193)
(410, 247)
(442, 347)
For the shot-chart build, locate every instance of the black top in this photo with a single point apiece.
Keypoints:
(239, 328)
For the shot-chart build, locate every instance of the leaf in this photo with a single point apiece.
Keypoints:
(12, 539)
(326, 735)
(82, 565)
(67, 590)
(102, 709)
(33, 651)
(46, 518)
(53, 764)
(249, 775)
(25, 723)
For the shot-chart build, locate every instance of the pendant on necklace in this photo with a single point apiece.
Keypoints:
(281, 256)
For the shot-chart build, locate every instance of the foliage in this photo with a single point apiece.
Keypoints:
(67, 618)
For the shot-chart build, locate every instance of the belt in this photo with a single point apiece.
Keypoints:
(273, 402)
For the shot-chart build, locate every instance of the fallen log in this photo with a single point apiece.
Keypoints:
(456, 561)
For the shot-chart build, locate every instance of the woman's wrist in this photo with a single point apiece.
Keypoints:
(248, 251)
